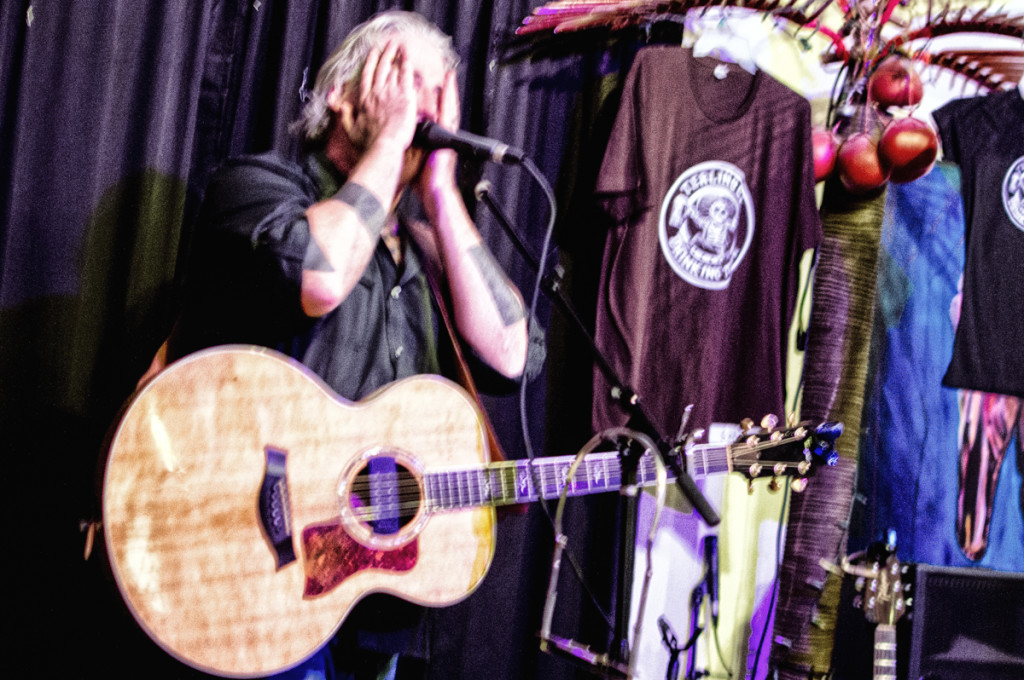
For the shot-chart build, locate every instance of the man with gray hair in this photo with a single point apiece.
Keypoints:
(314, 259)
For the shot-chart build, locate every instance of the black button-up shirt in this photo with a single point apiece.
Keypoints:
(245, 280)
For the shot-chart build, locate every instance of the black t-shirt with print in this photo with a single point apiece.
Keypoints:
(985, 137)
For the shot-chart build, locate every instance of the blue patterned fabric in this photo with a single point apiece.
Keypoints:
(910, 455)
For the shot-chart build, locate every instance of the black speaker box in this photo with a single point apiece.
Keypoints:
(966, 624)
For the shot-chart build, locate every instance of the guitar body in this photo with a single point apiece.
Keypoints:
(231, 518)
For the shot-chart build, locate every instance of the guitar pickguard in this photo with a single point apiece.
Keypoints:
(332, 556)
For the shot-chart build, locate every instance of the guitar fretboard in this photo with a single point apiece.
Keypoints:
(885, 652)
(520, 481)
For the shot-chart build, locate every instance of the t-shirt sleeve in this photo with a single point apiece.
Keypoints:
(945, 119)
(619, 182)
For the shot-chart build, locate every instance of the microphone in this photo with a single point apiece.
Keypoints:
(711, 573)
(430, 135)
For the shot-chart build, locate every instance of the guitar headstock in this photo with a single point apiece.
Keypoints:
(767, 451)
(882, 582)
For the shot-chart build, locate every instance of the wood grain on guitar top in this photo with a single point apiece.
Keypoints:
(182, 517)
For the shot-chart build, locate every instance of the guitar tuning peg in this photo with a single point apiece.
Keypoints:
(799, 484)
(755, 470)
(803, 466)
(770, 421)
(746, 424)
(779, 469)
(774, 485)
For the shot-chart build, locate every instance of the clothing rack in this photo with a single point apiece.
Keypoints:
(851, 30)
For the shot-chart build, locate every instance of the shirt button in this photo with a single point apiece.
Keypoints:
(399, 350)
(395, 292)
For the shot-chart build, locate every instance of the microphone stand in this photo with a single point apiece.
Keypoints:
(631, 403)
(628, 399)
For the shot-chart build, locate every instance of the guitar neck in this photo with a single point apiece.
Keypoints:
(520, 481)
(885, 652)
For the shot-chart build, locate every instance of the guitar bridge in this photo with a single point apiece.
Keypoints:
(275, 508)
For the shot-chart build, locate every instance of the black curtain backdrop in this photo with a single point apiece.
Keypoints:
(114, 113)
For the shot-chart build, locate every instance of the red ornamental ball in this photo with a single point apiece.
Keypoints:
(895, 83)
(909, 147)
(860, 169)
(825, 146)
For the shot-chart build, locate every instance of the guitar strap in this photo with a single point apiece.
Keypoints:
(465, 378)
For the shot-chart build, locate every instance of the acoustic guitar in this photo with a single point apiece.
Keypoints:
(247, 507)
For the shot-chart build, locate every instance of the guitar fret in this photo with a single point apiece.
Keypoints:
(564, 480)
(495, 485)
(524, 483)
(434, 487)
(510, 475)
(595, 473)
(588, 475)
(499, 491)
(885, 652)
(545, 489)
(482, 491)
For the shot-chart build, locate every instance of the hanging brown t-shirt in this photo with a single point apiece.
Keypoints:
(710, 182)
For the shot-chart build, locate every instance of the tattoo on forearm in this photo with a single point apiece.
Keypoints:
(366, 205)
(314, 259)
(510, 308)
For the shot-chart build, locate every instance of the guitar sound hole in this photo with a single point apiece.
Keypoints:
(385, 495)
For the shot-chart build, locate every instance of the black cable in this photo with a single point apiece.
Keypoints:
(538, 177)
(718, 648)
